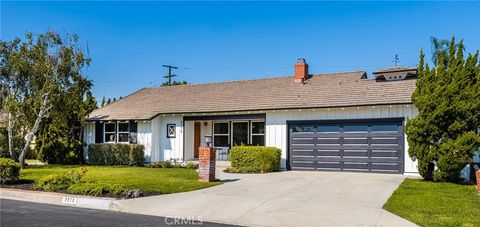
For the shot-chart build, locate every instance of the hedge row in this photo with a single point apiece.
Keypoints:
(116, 154)
(252, 159)
(9, 170)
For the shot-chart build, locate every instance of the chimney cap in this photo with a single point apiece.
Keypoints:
(301, 61)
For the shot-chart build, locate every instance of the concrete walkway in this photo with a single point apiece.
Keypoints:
(289, 198)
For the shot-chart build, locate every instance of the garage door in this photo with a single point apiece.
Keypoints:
(374, 145)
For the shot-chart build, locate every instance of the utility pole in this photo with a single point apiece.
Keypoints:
(396, 60)
(170, 67)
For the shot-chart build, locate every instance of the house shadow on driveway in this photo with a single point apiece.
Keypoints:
(289, 198)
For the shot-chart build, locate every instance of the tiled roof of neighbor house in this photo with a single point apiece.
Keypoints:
(324, 90)
(395, 69)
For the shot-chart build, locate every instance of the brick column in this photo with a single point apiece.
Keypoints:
(206, 165)
(478, 180)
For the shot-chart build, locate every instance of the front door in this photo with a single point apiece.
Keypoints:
(196, 142)
(239, 133)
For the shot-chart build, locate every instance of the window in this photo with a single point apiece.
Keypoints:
(329, 128)
(355, 128)
(220, 134)
(304, 128)
(109, 132)
(258, 133)
(123, 132)
(385, 128)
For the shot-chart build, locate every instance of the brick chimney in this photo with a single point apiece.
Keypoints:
(301, 71)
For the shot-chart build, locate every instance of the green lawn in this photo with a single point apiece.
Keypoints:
(436, 204)
(157, 180)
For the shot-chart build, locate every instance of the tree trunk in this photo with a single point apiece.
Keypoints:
(10, 136)
(31, 134)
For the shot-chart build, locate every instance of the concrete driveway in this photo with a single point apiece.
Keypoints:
(289, 198)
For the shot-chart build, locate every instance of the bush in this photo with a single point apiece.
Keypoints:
(254, 159)
(191, 165)
(62, 181)
(96, 189)
(116, 154)
(9, 170)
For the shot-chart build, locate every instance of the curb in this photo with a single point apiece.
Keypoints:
(59, 199)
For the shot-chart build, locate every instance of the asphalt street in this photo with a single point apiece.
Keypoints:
(19, 213)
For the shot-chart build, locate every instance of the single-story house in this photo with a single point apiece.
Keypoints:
(337, 121)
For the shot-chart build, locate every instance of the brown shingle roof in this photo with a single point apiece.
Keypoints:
(325, 90)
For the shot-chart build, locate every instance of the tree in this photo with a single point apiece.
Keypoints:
(46, 69)
(174, 83)
(103, 102)
(445, 132)
(108, 101)
(440, 50)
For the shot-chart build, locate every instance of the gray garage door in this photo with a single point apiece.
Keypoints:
(374, 145)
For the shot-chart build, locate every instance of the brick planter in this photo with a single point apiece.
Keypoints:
(206, 164)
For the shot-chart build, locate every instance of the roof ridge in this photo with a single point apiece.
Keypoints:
(257, 79)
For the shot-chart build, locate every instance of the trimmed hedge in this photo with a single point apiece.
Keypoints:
(9, 170)
(254, 159)
(116, 154)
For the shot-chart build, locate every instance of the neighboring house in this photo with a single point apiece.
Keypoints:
(338, 121)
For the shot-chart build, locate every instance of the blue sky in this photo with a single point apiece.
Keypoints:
(221, 41)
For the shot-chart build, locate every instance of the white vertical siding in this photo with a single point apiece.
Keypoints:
(276, 123)
(167, 148)
(144, 137)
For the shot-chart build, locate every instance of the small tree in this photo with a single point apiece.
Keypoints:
(444, 134)
(174, 83)
(103, 102)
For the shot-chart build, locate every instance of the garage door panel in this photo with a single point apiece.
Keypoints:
(385, 153)
(303, 153)
(363, 153)
(385, 166)
(304, 164)
(328, 165)
(303, 146)
(303, 158)
(353, 140)
(328, 152)
(328, 141)
(375, 146)
(384, 140)
(355, 166)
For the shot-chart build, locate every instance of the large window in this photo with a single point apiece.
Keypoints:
(123, 132)
(109, 132)
(258, 133)
(220, 134)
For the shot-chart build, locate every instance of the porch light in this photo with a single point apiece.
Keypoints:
(207, 140)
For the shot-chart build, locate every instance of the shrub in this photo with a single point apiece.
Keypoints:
(116, 154)
(9, 170)
(248, 159)
(191, 165)
(62, 181)
(164, 164)
(96, 189)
